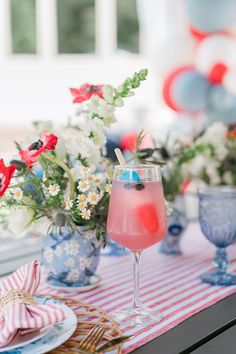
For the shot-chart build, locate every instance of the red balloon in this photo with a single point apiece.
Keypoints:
(166, 90)
(128, 141)
(198, 35)
(217, 73)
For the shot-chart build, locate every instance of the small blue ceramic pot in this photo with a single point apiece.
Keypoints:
(70, 258)
(176, 224)
(114, 249)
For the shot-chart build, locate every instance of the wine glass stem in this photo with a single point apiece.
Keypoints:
(136, 296)
(221, 260)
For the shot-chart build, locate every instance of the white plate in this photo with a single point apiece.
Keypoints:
(22, 340)
(94, 281)
(54, 337)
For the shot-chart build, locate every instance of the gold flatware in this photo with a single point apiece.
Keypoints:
(113, 343)
(89, 343)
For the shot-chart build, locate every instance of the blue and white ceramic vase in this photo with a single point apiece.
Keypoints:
(114, 249)
(176, 224)
(71, 258)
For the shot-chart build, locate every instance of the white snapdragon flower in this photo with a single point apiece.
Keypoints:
(108, 92)
(53, 189)
(18, 220)
(17, 194)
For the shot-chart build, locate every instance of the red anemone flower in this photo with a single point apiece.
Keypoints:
(31, 154)
(85, 92)
(6, 174)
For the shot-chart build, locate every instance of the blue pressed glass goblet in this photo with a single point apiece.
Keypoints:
(217, 216)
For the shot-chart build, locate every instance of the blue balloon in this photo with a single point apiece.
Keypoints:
(211, 15)
(221, 104)
(189, 91)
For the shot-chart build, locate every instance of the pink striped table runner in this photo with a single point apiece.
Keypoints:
(168, 284)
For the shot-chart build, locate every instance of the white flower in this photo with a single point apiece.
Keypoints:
(48, 255)
(108, 188)
(68, 204)
(73, 274)
(119, 102)
(58, 251)
(82, 205)
(86, 214)
(53, 189)
(17, 194)
(81, 198)
(84, 262)
(19, 219)
(97, 180)
(83, 186)
(44, 179)
(72, 248)
(228, 177)
(85, 169)
(90, 178)
(213, 174)
(93, 198)
(108, 91)
(215, 134)
(69, 262)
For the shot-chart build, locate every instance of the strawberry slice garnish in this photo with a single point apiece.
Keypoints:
(147, 214)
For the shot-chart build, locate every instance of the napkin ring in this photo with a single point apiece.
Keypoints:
(15, 296)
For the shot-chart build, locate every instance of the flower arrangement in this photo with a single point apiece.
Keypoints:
(64, 178)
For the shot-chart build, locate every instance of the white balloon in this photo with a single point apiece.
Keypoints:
(229, 81)
(214, 49)
(176, 51)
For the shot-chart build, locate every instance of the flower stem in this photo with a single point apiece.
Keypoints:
(67, 171)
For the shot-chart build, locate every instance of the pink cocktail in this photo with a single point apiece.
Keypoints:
(136, 220)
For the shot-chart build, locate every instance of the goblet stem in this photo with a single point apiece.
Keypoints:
(136, 294)
(221, 260)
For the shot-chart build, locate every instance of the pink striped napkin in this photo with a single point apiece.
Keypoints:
(24, 318)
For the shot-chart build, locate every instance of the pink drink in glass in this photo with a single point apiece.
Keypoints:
(137, 217)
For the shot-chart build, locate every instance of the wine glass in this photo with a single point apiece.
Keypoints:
(136, 220)
(218, 223)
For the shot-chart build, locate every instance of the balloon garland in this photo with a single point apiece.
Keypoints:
(205, 82)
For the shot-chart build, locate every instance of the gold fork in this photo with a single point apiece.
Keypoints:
(89, 343)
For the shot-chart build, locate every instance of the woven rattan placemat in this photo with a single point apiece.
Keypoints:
(88, 317)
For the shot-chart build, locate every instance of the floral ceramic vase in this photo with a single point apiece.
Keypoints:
(71, 258)
(176, 222)
(114, 249)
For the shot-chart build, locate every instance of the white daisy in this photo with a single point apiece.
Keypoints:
(93, 198)
(90, 178)
(85, 169)
(108, 188)
(17, 194)
(54, 189)
(97, 180)
(81, 198)
(86, 214)
(82, 205)
(68, 204)
(83, 186)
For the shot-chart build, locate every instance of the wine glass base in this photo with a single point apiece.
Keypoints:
(136, 316)
(217, 278)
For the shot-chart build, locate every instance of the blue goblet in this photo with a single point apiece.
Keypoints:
(217, 216)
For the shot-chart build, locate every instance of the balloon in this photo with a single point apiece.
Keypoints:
(175, 52)
(217, 73)
(229, 81)
(189, 91)
(211, 15)
(167, 86)
(215, 49)
(221, 104)
(198, 35)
